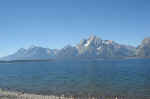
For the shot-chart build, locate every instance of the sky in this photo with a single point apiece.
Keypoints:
(56, 23)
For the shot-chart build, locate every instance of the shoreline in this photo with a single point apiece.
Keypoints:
(21, 95)
(51, 60)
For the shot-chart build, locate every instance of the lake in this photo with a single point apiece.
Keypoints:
(124, 77)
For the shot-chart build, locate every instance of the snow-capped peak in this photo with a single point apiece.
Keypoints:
(108, 42)
(92, 40)
(87, 43)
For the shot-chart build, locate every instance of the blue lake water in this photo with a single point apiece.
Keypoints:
(130, 77)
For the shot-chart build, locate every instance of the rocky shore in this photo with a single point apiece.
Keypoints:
(21, 95)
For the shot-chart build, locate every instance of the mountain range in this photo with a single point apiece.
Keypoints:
(92, 47)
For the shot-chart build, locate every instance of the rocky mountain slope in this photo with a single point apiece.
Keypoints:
(143, 50)
(32, 53)
(93, 47)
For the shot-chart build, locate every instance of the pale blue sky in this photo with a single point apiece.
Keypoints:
(56, 23)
